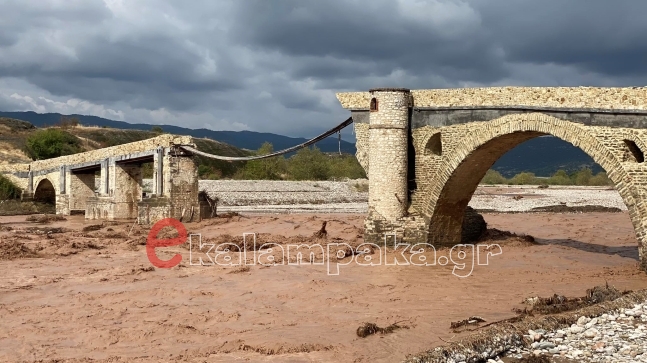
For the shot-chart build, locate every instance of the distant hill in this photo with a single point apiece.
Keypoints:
(14, 133)
(542, 156)
(241, 139)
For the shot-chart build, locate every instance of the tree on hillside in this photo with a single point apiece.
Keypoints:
(51, 143)
(68, 122)
(157, 129)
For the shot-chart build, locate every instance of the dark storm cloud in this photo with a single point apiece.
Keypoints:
(607, 37)
(381, 35)
(276, 65)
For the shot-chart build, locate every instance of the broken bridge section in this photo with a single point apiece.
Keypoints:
(108, 183)
(419, 190)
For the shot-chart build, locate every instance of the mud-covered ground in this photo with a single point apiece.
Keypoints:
(75, 291)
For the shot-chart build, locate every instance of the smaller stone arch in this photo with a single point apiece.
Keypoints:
(434, 145)
(45, 192)
(634, 152)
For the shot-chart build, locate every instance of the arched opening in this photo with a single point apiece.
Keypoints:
(434, 145)
(462, 167)
(45, 192)
(633, 152)
(373, 107)
(446, 226)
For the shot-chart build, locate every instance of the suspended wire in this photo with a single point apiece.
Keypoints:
(337, 129)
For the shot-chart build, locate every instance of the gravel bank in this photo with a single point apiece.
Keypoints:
(617, 336)
(509, 198)
(265, 196)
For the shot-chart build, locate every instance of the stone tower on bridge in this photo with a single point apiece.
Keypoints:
(425, 151)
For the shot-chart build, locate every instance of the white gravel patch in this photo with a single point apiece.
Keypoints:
(265, 196)
(502, 198)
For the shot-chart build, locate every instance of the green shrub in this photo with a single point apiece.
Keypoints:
(8, 190)
(600, 179)
(309, 164)
(264, 169)
(345, 166)
(560, 177)
(524, 179)
(493, 177)
(582, 177)
(157, 129)
(51, 143)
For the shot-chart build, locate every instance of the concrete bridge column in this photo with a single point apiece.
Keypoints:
(158, 172)
(80, 187)
(63, 195)
(28, 194)
(104, 178)
(388, 160)
(126, 189)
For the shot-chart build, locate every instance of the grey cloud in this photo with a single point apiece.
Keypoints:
(275, 66)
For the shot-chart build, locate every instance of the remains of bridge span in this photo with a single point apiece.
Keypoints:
(69, 181)
(425, 151)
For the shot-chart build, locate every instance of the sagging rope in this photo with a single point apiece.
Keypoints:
(276, 153)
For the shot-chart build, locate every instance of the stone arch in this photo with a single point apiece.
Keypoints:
(45, 192)
(463, 166)
(434, 145)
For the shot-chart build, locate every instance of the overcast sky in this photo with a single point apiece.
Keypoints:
(274, 66)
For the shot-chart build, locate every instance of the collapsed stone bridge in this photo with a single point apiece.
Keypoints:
(425, 151)
(70, 183)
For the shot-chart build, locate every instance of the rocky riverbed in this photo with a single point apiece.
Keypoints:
(616, 336)
(265, 196)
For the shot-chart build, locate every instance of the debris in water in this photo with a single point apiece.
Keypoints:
(367, 329)
(473, 320)
(321, 233)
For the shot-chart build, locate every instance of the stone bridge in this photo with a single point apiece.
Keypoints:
(71, 183)
(425, 151)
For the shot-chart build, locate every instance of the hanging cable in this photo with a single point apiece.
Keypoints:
(337, 128)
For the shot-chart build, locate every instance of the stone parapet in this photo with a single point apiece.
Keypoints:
(629, 98)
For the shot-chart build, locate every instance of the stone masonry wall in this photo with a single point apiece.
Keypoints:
(361, 135)
(446, 182)
(127, 190)
(81, 187)
(181, 182)
(388, 134)
(630, 98)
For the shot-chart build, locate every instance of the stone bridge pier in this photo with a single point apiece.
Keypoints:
(108, 183)
(425, 151)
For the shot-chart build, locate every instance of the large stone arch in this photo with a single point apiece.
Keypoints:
(45, 192)
(468, 151)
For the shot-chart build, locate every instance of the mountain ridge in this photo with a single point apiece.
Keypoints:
(542, 155)
(250, 140)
